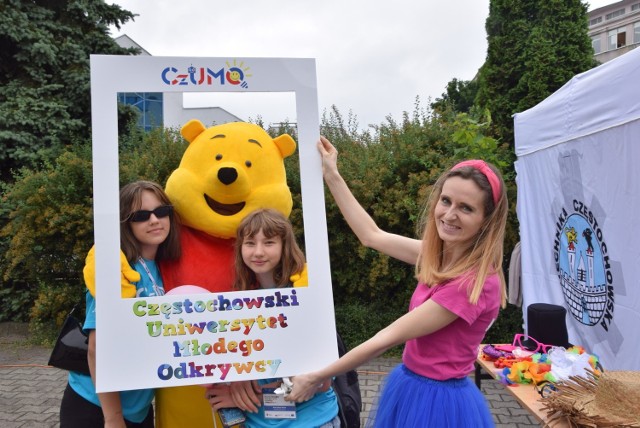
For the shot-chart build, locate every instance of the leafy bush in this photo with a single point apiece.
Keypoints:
(49, 221)
(47, 214)
(508, 323)
(150, 155)
(357, 322)
(49, 224)
(13, 301)
(51, 306)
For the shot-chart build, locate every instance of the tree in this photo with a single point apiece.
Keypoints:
(534, 47)
(460, 96)
(44, 74)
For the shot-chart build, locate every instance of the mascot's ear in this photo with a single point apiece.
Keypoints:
(285, 144)
(192, 129)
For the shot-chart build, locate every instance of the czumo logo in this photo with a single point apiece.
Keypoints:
(232, 74)
(582, 262)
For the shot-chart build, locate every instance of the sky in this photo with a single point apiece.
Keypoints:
(373, 57)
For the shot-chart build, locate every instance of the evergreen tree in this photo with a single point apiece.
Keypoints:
(534, 47)
(44, 74)
(460, 96)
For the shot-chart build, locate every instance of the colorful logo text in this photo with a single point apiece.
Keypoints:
(232, 74)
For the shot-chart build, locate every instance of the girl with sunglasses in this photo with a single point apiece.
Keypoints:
(460, 288)
(149, 232)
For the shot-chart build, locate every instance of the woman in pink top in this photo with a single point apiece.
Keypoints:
(460, 289)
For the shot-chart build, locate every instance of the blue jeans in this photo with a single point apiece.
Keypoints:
(333, 423)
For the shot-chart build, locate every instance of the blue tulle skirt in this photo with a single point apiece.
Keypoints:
(409, 400)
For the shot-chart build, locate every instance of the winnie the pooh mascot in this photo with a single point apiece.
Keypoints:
(226, 172)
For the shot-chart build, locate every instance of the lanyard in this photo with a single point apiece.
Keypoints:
(156, 288)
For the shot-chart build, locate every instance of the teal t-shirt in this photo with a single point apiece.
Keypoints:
(319, 410)
(135, 403)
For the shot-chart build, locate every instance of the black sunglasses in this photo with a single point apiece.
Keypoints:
(144, 215)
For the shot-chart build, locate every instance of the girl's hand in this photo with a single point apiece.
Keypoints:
(219, 396)
(329, 156)
(246, 395)
(305, 387)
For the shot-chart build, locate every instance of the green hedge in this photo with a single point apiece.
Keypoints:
(391, 176)
(47, 225)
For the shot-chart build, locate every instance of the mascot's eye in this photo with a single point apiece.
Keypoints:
(218, 156)
(248, 163)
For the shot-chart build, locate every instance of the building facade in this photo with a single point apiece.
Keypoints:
(614, 29)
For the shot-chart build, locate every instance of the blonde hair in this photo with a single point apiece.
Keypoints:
(271, 223)
(485, 253)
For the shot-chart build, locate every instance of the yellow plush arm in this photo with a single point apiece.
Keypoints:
(300, 279)
(127, 275)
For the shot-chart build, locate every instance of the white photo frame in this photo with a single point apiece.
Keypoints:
(128, 357)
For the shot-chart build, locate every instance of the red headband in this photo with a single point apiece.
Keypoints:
(492, 178)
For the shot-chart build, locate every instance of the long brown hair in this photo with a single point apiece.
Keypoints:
(484, 254)
(130, 201)
(271, 223)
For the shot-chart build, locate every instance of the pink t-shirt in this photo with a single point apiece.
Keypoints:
(451, 351)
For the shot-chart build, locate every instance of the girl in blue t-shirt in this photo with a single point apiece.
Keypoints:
(149, 232)
(267, 256)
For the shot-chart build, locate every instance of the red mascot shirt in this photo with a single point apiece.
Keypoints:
(206, 261)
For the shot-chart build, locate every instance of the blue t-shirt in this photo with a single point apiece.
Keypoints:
(319, 410)
(135, 403)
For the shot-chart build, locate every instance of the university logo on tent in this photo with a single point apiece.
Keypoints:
(583, 266)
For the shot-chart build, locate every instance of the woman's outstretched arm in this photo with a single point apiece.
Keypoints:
(367, 231)
(425, 319)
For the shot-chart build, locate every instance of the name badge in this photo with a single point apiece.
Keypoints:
(275, 406)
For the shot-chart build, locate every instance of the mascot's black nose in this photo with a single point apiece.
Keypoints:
(227, 175)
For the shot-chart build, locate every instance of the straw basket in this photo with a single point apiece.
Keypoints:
(609, 400)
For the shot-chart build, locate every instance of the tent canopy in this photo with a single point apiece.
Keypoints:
(578, 198)
(598, 99)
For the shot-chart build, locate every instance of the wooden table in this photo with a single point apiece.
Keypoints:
(526, 395)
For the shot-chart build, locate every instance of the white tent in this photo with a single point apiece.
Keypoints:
(578, 178)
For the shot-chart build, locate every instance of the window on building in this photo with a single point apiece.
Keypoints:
(617, 38)
(636, 32)
(149, 104)
(595, 44)
(635, 7)
(614, 14)
(595, 21)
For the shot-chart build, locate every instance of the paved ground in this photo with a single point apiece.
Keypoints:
(30, 391)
